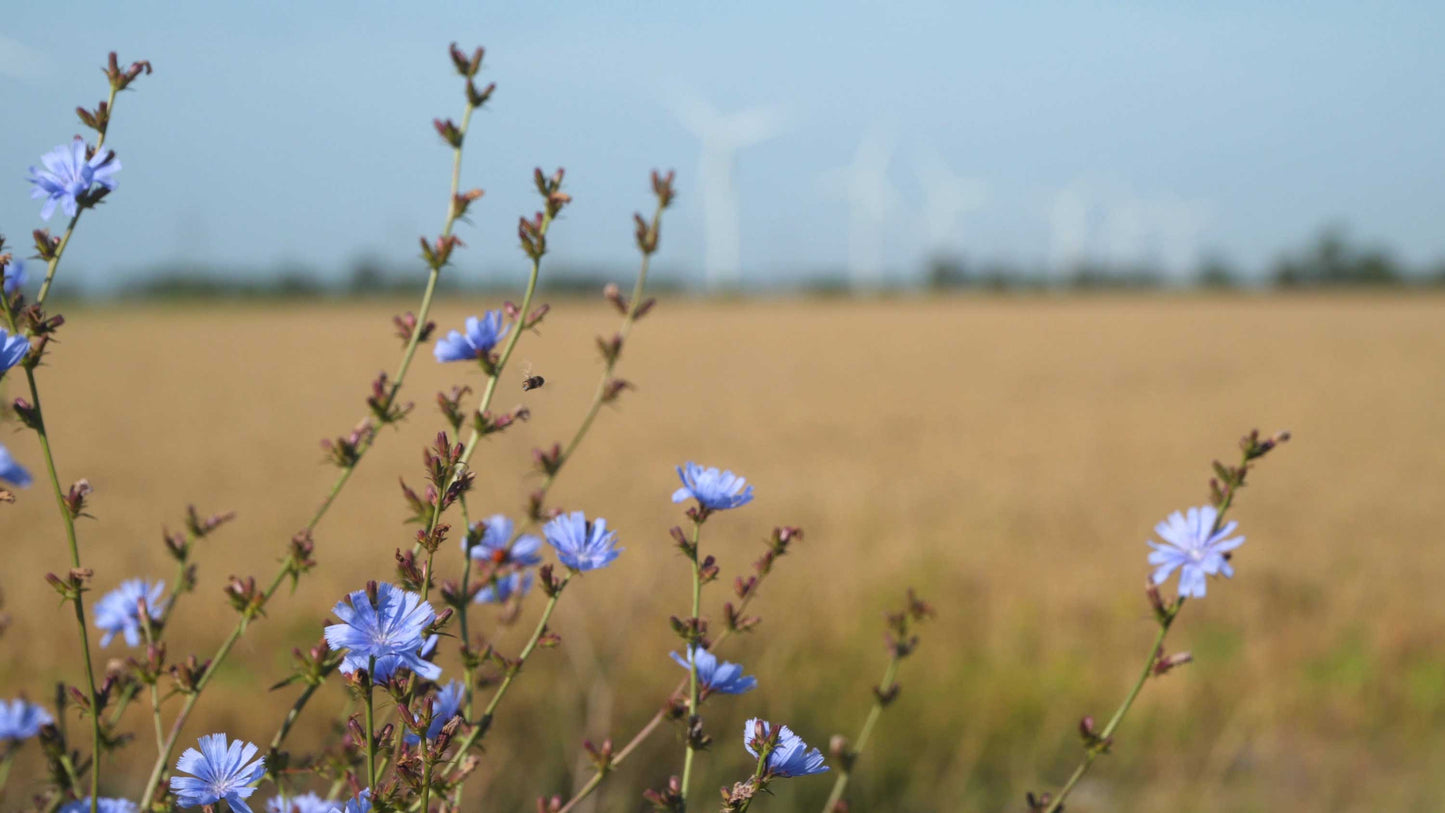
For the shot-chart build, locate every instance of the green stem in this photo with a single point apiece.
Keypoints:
(55, 258)
(479, 729)
(398, 379)
(295, 712)
(158, 770)
(65, 514)
(42, 432)
(757, 777)
(652, 724)
(491, 388)
(370, 729)
(426, 302)
(5, 762)
(692, 699)
(1165, 622)
(145, 626)
(466, 639)
(638, 287)
(846, 769)
(426, 778)
(1093, 752)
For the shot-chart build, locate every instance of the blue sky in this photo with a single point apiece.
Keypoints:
(299, 133)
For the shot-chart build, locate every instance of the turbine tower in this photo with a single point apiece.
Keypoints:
(721, 137)
(864, 184)
(947, 198)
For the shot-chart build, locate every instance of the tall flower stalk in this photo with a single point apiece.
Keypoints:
(1198, 555)
(349, 451)
(901, 642)
(737, 620)
(78, 195)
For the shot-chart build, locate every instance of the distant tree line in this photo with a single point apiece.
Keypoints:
(1330, 260)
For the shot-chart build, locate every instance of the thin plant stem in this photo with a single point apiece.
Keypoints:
(638, 287)
(294, 712)
(480, 727)
(491, 387)
(653, 723)
(428, 295)
(5, 761)
(694, 718)
(145, 626)
(78, 602)
(427, 763)
(846, 769)
(397, 380)
(1166, 620)
(370, 728)
(158, 770)
(757, 775)
(1094, 751)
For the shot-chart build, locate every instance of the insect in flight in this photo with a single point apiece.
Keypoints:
(529, 381)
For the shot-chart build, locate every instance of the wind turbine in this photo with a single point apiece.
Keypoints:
(721, 137)
(864, 184)
(947, 197)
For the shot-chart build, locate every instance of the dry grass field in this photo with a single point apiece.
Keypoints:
(1006, 456)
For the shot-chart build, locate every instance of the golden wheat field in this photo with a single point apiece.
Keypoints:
(1008, 457)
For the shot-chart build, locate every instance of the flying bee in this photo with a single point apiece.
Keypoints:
(529, 381)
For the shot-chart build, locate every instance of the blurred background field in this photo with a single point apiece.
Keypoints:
(1006, 455)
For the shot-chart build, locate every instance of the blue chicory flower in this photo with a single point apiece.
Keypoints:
(789, 757)
(118, 612)
(12, 349)
(361, 803)
(390, 632)
(103, 805)
(20, 719)
(714, 490)
(14, 276)
(503, 588)
(721, 677)
(11, 471)
(496, 544)
(218, 771)
(303, 803)
(1193, 546)
(446, 705)
(481, 336)
(68, 175)
(582, 545)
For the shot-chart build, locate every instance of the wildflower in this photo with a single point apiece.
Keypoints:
(12, 472)
(481, 336)
(582, 545)
(359, 804)
(494, 544)
(503, 588)
(14, 276)
(68, 176)
(20, 719)
(789, 757)
(722, 677)
(713, 489)
(389, 633)
(305, 803)
(218, 771)
(444, 708)
(1192, 545)
(119, 612)
(12, 349)
(103, 805)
